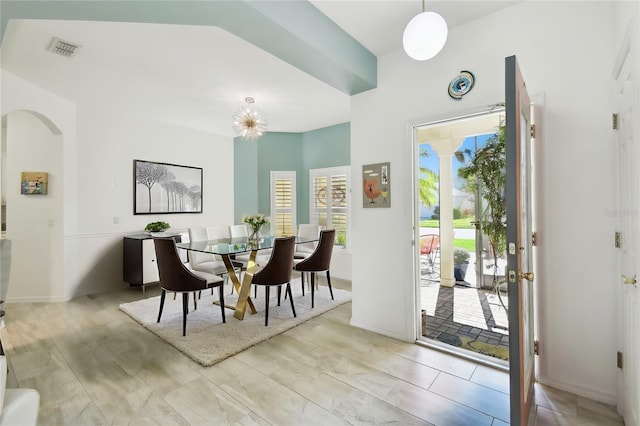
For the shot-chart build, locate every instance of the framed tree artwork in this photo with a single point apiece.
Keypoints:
(376, 181)
(162, 188)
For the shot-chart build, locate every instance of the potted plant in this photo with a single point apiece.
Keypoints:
(460, 263)
(155, 227)
(487, 169)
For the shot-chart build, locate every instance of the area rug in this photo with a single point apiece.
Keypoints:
(463, 342)
(208, 340)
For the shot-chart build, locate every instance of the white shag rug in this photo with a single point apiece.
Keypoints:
(208, 340)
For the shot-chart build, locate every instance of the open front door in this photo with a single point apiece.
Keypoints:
(519, 242)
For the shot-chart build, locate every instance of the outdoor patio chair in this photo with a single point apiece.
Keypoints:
(430, 249)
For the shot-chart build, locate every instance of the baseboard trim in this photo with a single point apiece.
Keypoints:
(595, 394)
(53, 299)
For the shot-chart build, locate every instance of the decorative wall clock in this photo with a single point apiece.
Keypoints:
(461, 84)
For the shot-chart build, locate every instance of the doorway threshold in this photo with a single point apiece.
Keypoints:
(476, 357)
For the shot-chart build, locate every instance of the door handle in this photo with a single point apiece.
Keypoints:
(526, 276)
(627, 280)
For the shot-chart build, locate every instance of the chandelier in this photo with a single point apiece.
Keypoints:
(248, 122)
(425, 35)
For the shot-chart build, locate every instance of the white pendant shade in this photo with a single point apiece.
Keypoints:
(425, 36)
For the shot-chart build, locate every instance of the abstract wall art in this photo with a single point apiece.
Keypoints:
(376, 181)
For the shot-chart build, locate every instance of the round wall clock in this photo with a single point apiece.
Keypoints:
(461, 84)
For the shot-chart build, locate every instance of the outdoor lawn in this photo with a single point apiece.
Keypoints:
(462, 223)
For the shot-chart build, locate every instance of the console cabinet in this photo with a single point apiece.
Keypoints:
(139, 266)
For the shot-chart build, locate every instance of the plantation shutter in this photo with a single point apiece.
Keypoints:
(329, 200)
(283, 203)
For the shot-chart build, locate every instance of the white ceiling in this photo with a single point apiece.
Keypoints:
(198, 76)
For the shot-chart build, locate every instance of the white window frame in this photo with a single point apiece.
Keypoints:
(275, 176)
(328, 172)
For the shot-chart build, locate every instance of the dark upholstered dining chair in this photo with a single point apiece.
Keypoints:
(318, 261)
(174, 276)
(276, 272)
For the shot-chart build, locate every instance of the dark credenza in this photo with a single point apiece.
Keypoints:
(139, 266)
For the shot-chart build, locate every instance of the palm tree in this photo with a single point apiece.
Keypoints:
(427, 184)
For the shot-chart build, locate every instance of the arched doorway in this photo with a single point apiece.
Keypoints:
(34, 222)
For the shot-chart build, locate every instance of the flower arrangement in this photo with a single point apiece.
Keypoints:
(255, 221)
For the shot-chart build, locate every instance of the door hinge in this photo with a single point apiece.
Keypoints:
(614, 121)
(534, 238)
(617, 241)
(533, 130)
(619, 359)
(536, 347)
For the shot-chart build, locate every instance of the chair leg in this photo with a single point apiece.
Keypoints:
(279, 294)
(302, 279)
(195, 300)
(162, 296)
(313, 287)
(266, 304)
(288, 290)
(221, 295)
(329, 283)
(185, 308)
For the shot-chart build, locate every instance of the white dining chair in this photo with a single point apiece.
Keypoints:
(206, 262)
(18, 406)
(309, 230)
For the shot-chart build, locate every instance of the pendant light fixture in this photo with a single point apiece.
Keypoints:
(248, 122)
(425, 35)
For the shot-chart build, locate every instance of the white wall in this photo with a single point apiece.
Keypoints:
(98, 149)
(34, 221)
(565, 61)
(108, 144)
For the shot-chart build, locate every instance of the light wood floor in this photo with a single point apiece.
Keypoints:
(94, 365)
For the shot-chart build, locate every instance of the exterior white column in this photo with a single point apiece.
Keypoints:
(445, 148)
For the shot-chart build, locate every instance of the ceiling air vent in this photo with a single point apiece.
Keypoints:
(64, 48)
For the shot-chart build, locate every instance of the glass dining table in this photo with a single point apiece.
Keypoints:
(228, 249)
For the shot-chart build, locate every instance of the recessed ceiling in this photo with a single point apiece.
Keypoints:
(197, 76)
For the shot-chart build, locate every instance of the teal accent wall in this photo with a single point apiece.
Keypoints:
(299, 152)
(325, 147)
(278, 152)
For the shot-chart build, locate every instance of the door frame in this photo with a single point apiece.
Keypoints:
(497, 108)
(628, 298)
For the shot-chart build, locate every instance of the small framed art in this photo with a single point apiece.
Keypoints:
(376, 180)
(34, 183)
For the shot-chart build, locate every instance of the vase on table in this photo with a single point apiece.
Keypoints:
(253, 241)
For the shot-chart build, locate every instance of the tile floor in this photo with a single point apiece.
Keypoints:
(94, 365)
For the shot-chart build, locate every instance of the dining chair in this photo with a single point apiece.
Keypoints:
(206, 262)
(277, 272)
(318, 261)
(309, 230)
(176, 277)
(18, 406)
